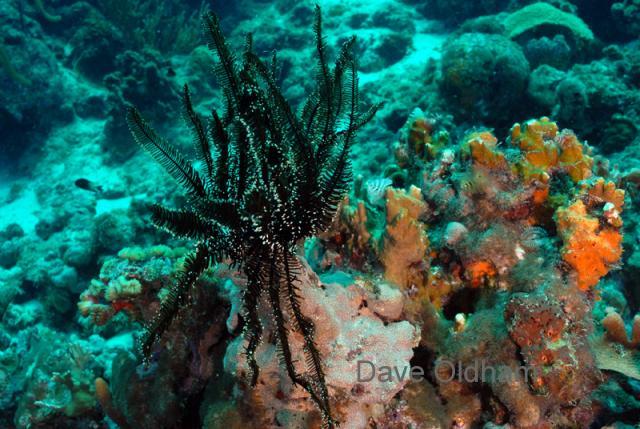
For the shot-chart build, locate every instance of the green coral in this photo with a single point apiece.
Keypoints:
(539, 15)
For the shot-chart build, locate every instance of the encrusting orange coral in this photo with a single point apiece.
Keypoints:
(482, 149)
(544, 149)
(589, 249)
(479, 272)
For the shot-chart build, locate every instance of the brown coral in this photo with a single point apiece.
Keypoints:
(405, 244)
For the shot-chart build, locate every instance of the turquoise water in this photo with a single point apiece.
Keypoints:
(431, 226)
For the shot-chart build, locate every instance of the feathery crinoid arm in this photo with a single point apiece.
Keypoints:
(326, 112)
(253, 326)
(195, 264)
(220, 139)
(287, 131)
(184, 223)
(326, 107)
(334, 116)
(167, 155)
(225, 69)
(337, 119)
(290, 268)
(200, 137)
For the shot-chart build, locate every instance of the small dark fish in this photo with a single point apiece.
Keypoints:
(87, 185)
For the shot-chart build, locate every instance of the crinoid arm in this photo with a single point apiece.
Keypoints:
(195, 264)
(200, 137)
(252, 325)
(291, 267)
(165, 154)
(279, 274)
(184, 223)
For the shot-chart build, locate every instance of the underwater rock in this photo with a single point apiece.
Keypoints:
(494, 288)
(52, 376)
(133, 284)
(483, 76)
(350, 332)
(9, 253)
(572, 102)
(25, 119)
(543, 82)
(96, 45)
(381, 49)
(23, 316)
(11, 280)
(600, 100)
(129, 283)
(462, 242)
(621, 130)
(456, 11)
(114, 230)
(143, 79)
(554, 52)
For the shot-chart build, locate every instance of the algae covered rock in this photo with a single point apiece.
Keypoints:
(542, 86)
(456, 11)
(626, 13)
(483, 75)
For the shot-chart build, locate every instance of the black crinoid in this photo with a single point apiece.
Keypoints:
(269, 179)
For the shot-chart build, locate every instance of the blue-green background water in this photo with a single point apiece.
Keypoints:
(75, 189)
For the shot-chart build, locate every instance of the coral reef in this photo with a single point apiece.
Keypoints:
(487, 280)
(486, 271)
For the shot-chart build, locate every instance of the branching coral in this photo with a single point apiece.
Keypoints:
(616, 349)
(515, 190)
(271, 179)
(422, 137)
(617, 331)
(128, 282)
(46, 15)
